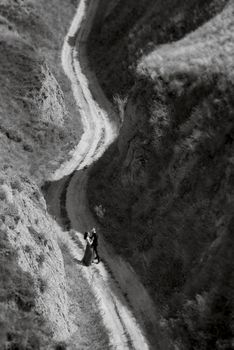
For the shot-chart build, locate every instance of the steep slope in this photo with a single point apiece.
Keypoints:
(125, 31)
(165, 187)
(34, 303)
(33, 286)
(42, 302)
(125, 318)
(38, 125)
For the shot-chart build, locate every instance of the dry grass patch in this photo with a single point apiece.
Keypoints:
(39, 127)
(90, 331)
(124, 35)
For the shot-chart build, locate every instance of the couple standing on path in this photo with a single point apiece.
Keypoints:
(91, 252)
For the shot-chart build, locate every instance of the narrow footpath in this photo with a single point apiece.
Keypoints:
(127, 309)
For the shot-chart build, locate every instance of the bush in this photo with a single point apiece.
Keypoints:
(3, 195)
(40, 259)
(16, 184)
(42, 282)
(12, 210)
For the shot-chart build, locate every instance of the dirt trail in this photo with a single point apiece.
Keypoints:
(99, 129)
(125, 304)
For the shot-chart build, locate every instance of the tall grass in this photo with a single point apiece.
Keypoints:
(90, 332)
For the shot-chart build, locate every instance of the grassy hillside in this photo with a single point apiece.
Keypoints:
(166, 185)
(39, 124)
(126, 31)
(33, 141)
(31, 272)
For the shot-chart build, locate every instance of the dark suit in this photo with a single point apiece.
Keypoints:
(94, 245)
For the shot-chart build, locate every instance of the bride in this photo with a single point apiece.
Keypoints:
(89, 251)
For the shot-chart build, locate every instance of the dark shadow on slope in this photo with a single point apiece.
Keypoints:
(72, 40)
(58, 212)
(62, 219)
(132, 30)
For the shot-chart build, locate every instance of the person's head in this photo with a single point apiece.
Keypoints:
(93, 230)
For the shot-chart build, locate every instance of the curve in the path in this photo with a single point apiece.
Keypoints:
(114, 282)
(109, 271)
(99, 129)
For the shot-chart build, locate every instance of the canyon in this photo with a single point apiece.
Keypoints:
(165, 185)
(117, 115)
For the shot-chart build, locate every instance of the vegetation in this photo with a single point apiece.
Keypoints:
(21, 326)
(166, 184)
(129, 31)
(38, 126)
(91, 332)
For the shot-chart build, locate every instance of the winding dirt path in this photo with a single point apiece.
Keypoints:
(126, 307)
(100, 122)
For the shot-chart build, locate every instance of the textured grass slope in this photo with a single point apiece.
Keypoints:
(34, 120)
(166, 186)
(125, 32)
(39, 124)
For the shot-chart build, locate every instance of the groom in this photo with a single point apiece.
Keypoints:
(94, 237)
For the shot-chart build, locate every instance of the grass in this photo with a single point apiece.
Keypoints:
(39, 125)
(90, 331)
(130, 31)
(166, 184)
(28, 243)
(21, 326)
(60, 22)
(42, 124)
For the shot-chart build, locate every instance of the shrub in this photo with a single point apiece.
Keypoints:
(3, 195)
(16, 184)
(40, 259)
(37, 236)
(61, 346)
(121, 104)
(42, 282)
(27, 249)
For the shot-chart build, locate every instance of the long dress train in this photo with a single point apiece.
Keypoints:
(88, 255)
